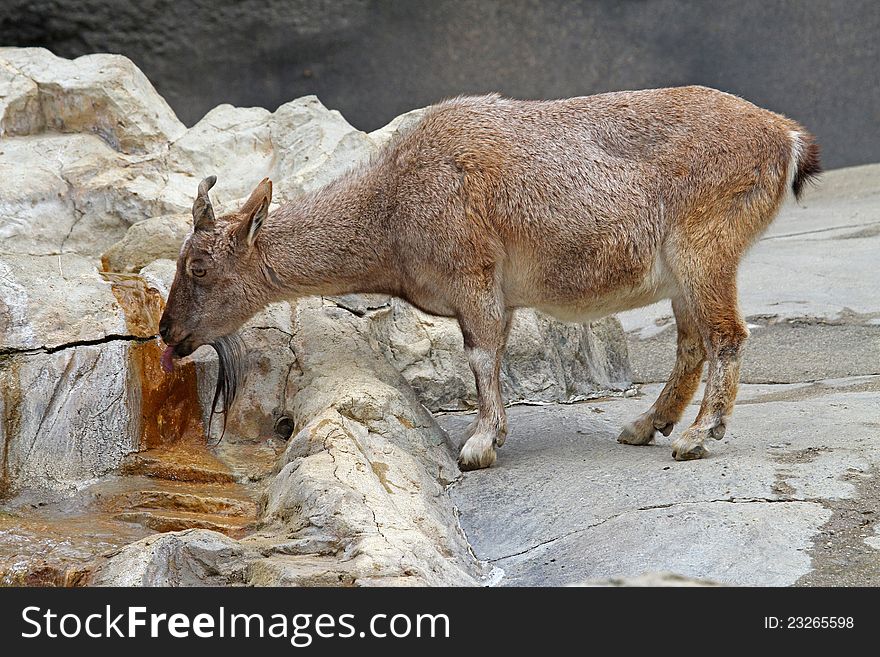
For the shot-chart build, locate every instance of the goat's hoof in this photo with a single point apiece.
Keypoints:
(689, 446)
(636, 433)
(717, 432)
(478, 453)
(642, 431)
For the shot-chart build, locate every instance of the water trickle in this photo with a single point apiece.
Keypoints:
(174, 481)
(170, 410)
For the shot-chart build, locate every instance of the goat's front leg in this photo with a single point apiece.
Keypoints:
(485, 334)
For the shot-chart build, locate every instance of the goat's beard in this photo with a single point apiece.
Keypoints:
(230, 375)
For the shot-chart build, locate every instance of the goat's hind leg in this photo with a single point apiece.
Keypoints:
(679, 389)
(715, 307)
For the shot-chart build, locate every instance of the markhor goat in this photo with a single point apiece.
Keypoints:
(579, 208)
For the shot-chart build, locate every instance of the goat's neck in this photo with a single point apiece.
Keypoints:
(331, 241)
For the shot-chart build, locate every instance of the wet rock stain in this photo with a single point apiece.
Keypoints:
(381, 470)
(841, 556)
(170, 410)
(11, 416)
(174, 481)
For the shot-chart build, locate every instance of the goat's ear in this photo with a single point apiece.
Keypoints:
(203, 211)
(256, 221)
(256, 209)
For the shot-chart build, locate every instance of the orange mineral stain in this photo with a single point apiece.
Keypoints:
(170, 410)
(174, 481)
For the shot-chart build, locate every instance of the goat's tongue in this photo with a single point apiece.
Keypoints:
(168, 359)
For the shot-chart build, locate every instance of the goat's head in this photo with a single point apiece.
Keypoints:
(216, 288)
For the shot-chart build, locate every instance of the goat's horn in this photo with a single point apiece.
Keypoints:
(207, 184)
(203, 211)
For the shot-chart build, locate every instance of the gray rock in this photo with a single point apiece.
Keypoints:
(366, 445)
(51, 301)
(545, 361)
(69, 401)
(232, 143)
(146, 241)
(314, 146)
(73, 193)
(106, 95)
(67, 416)
(194, 557)
(566, 503)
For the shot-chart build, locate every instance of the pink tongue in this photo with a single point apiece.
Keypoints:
(167, 356)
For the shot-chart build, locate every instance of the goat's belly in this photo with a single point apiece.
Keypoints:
(589, 310)
(594, 304)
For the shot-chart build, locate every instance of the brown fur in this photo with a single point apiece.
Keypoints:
(579, 207)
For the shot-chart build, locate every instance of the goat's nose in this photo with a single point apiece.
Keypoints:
(164, 329)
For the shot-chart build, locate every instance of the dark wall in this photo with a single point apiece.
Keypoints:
(816, 60)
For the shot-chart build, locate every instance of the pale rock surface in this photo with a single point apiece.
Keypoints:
(194, 557)
(314, 146)
(147, 241)
(73, 193)
(232, 143)
(50, 301)
(368, 446)
(66, 401)
(106, 95)
(65, 416)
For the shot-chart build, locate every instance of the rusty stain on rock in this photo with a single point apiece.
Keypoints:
(170, 410)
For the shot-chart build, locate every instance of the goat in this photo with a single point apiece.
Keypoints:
(579, 208)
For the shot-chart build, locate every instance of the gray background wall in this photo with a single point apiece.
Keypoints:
(816, 60)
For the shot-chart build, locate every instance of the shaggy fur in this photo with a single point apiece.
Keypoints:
(579, 208)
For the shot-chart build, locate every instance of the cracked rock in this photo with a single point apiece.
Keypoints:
(106, 95)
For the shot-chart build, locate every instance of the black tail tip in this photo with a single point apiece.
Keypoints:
(809, 167)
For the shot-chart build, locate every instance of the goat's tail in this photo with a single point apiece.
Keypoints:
(805, 166)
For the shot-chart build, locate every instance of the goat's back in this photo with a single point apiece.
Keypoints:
(577, 196)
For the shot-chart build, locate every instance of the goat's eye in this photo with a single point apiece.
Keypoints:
(198, 272)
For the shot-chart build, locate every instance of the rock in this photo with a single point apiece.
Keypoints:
(64, 416)
(112, 198)
(232, 143)
(366, 445)
(262, 410)
(73, 193)
(69, 397)
(38, 205)
(545, 361)
(147, 241)
(194, 557)
(79, 366)
(47, 302)
(105, 95)
(314, 146)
